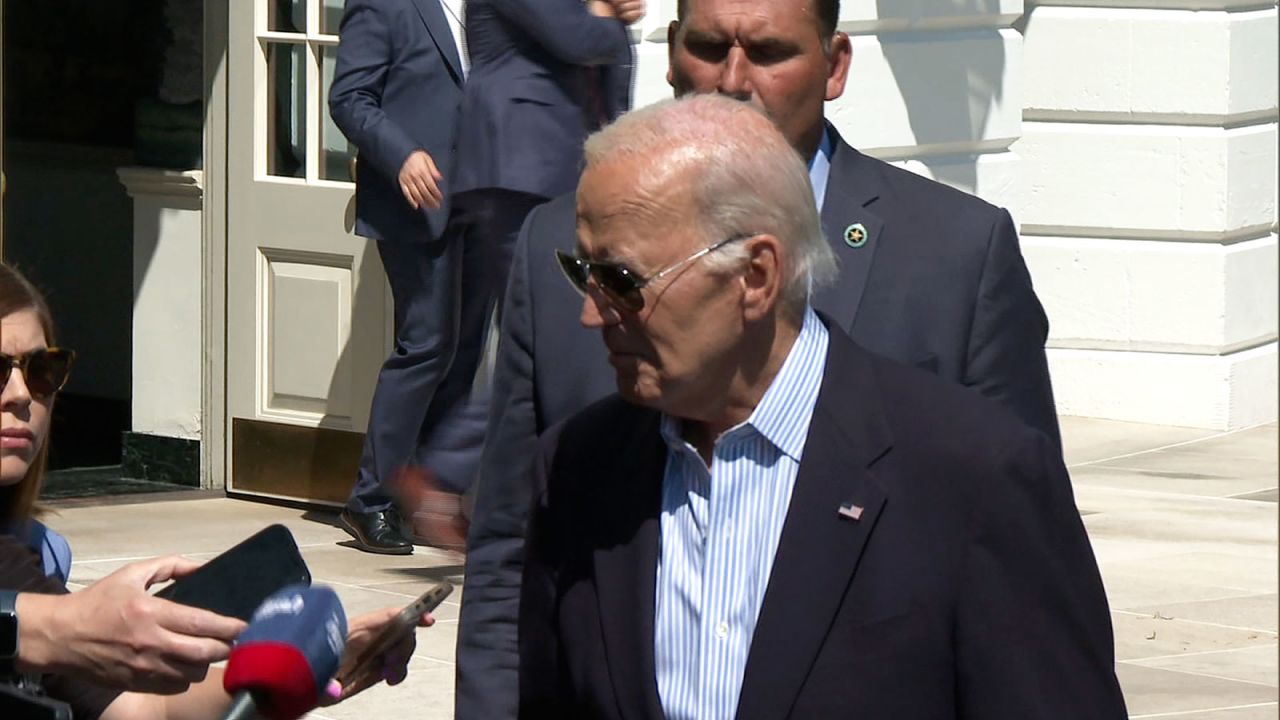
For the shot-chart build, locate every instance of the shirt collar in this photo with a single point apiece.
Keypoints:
(820, 167)
(783, 414)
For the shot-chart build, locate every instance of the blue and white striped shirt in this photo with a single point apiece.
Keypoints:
(720, 530)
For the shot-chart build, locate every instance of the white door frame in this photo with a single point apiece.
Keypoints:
(288, 378)
(213, 412)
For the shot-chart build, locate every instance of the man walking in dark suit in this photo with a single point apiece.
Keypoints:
(768, 521)
(395, 95)
(544, 74)
(927, 275)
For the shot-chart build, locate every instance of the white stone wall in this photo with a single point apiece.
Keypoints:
(167, 340)
(1149, 162)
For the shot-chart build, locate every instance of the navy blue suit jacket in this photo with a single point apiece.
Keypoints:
(966, 589)
(940, 283)
(538, 68)
(396, 89)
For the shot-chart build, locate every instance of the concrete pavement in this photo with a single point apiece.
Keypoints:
(1183, 521)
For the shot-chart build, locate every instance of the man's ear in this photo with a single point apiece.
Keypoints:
(762, 276)
(838, 65)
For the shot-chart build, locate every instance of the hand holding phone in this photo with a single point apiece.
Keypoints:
(363, 666)
(116, 634)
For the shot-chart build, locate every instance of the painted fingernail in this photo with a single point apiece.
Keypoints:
(333, 689)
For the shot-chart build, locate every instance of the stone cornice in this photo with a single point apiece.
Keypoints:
(139, 181)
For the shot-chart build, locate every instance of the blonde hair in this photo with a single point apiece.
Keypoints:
(18, 502)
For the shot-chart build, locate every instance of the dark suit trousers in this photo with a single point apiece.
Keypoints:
(453, 432)
(425, 279)
(430, 405)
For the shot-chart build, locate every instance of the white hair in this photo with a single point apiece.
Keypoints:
(745, 180)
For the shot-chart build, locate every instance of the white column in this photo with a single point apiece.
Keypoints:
(1149, 154)
(167, 314)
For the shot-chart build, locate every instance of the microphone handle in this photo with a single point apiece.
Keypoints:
(242, 707)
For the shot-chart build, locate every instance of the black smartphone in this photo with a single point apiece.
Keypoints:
(236, 582)
(17, 704)
(366, 666)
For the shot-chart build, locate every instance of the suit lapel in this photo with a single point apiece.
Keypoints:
(438, 27)
(820, 547)
(853, 186)
(626, 573)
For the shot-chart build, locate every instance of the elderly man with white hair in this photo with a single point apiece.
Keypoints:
(768, 521)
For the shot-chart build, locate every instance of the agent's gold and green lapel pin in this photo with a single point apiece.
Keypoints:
(855, 236)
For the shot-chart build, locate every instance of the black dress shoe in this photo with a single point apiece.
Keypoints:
(375, 532)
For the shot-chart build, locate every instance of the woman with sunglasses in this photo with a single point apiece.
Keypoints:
(111, 650)
(31, 373)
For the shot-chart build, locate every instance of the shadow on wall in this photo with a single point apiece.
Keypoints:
(949, 79)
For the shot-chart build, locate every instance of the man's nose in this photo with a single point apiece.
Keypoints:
(734, 77)
(597, 311)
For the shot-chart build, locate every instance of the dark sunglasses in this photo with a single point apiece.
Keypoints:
(44, 371)
(620, 284)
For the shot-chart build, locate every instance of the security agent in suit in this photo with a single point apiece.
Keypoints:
(768, 521)
(543, 74)
(395, 95)
(928, 276)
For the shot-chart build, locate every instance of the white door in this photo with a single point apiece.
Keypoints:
(307, 308)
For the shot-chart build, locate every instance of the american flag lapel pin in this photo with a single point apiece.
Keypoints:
(851, 511)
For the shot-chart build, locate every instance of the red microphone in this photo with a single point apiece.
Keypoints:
(283, 660)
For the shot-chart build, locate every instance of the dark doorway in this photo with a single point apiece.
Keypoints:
(74, 78)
